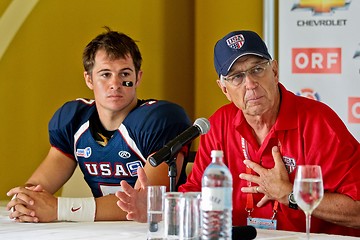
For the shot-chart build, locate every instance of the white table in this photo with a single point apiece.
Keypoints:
(10, 230)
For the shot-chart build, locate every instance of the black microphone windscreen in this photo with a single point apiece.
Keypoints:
(243, 233)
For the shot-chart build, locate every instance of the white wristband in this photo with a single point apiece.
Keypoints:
(76, 209)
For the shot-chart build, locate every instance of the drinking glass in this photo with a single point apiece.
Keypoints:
(172, 215)
(190, 216)
(308, 190)
(155, 210)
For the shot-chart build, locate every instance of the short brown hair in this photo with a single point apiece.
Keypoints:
(116, 44)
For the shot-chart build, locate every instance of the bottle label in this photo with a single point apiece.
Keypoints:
(216, 199)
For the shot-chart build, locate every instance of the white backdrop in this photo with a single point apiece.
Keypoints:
(319, 54)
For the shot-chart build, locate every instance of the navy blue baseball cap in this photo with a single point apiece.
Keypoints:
(235, 45)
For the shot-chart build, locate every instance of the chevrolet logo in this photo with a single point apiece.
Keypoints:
(357, 53)
(321, 6)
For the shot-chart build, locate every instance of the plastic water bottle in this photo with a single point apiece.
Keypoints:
(216, 205)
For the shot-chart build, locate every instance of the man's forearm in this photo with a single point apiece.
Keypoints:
(107, 210)
(339, 209)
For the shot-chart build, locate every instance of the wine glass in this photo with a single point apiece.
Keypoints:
(308, 190)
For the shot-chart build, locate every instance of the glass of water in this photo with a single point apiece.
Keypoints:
(172, 215)
(308, 190)
(155, 211)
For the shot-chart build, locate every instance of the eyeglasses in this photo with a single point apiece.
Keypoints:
(255, 72)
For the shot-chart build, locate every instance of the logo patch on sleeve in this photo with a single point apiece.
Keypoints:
(290, 164)
(85, 153)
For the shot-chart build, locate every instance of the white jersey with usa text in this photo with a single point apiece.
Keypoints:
(145, 130)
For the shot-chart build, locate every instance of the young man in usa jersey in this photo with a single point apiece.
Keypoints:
(109, 138)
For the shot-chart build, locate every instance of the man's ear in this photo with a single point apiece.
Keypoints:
(275, 70)
(88, 80)
(223, 88)
(138, 79)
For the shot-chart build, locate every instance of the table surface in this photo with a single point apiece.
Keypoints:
(111, 230)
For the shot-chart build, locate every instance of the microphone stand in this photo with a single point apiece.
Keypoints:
(172, 173)
(171, 162)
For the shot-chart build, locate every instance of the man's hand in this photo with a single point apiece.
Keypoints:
(32, 204)
(18, 204)
(273, 183)
(134, 201)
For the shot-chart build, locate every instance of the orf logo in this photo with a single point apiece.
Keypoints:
(354, 110)
(321, 6)
(316, 60)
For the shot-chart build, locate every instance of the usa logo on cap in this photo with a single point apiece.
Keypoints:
(236, 41)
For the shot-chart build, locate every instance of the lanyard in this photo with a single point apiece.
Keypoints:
(249, 198)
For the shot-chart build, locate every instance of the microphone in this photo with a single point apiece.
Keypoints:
(243, 233)
(201, 126)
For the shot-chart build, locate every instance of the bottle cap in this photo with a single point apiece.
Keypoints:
(217, 153)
